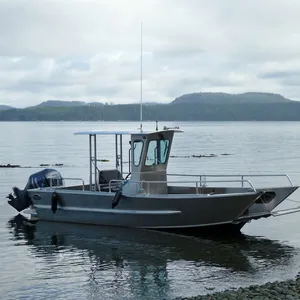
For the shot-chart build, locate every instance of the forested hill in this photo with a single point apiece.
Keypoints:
(219, 98)
(191, 107)
(4, 107)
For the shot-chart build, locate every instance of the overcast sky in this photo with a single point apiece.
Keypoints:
(89, 50)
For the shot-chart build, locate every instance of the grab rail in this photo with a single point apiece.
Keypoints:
(197, 183)
(68, 178)
(203, 177)
(116, 181)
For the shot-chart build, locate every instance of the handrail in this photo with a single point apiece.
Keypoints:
(116, 181)
(234, 175)
(68, 178)
(142, 182)
(197, 182)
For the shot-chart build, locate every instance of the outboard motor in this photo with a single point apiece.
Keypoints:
(46, 178)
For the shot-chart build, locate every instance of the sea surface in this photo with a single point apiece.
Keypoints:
(68, 261)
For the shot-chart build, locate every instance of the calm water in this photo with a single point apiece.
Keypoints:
(65, 261)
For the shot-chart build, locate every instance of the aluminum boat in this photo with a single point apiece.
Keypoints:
(145, 195)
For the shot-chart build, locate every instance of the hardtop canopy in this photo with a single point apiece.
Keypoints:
(136, 135)
(119, 132)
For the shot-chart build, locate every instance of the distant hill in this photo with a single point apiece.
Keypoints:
(221, 98)
(59, 103)
(5, 107)
(94, 103)
(190, 107)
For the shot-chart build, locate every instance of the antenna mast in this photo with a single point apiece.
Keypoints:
(141, 107)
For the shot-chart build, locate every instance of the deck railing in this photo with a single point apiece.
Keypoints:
(203, 178)
(66, 178)
(199, 185)
(196, 184)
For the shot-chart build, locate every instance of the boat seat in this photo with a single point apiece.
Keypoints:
(105, 176)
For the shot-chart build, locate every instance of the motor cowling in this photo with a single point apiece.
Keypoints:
(45, 178)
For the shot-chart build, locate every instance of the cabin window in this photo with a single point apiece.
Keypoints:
(157, 152)
(137, 152)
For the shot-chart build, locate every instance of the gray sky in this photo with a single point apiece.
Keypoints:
(89, 50)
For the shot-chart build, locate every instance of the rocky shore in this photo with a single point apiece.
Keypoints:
(285, 290)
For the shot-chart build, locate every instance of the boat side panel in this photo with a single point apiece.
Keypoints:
(141, 211)
(263, 207)
(281, 193)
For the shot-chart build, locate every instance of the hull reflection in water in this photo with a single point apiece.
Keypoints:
(134, 264)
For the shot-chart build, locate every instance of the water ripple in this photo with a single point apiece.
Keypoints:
(68, 261)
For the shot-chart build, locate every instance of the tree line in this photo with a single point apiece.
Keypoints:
(289, 111)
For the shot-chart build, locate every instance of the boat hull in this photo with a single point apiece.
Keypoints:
(265, 205)
(152, 211)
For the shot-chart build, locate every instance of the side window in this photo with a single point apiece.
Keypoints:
(164, 149)
(151, 158)
(157, 152)
(137, 152)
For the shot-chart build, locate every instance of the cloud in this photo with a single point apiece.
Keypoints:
(90, 49)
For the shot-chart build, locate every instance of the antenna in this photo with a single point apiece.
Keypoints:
(141, 106)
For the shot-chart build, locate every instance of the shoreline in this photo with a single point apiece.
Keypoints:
(277, 290)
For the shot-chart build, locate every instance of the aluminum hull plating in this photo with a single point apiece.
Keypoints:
(264, 207)
(151, 211)
(281, 193)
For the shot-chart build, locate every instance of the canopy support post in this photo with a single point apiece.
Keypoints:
(95, 160)
(91, 163)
